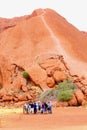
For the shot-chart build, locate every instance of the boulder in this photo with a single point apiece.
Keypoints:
(79, 96)
(59, 76)
(7, 98)
(24, 88)
(50, 82)
(38, 75)
(22, 97)
(73, 101)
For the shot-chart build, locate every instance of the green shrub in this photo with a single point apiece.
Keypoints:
(65, 85)
(66, 90)
(65, 95)
(25, 74)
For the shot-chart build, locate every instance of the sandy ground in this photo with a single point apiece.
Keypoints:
(66, 118)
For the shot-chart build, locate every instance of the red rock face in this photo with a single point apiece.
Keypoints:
(46, 46)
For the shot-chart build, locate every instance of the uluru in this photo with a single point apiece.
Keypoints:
(48, 48)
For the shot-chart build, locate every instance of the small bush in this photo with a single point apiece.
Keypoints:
(65, 85)
(50, 94)
(66, 90)
(65, 95)
(25, 74)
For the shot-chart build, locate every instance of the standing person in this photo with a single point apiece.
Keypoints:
(32, 107)
(49, 107)
(43, 108)
(39, 106)
(25, 108)
(46, 107)
(29, 108)
(35, 108)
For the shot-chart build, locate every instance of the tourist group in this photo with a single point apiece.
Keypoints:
(37, 107)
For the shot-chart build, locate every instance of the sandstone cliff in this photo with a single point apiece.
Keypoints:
(49, 48)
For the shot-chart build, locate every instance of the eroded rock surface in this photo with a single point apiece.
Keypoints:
(46, 46)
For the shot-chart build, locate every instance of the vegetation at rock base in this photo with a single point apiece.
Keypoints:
(66, 90)
(65, 95)
(65, 85)
(50, 94)
(62, 92)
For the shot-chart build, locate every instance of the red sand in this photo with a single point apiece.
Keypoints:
(64, 118)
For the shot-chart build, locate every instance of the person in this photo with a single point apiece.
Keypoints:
(35, 108)
(45, 107)
(49, 107)
(38, 106)
(25, 108)
(32, 108)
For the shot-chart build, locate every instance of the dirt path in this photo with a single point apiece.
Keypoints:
(64, 118)
(55, 39)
